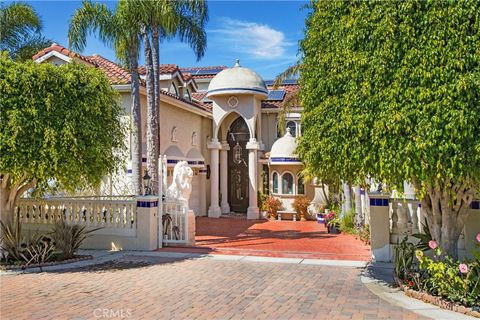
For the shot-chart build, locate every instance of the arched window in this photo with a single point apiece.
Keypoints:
(300, 185)
(275, 182)
(287, 183)
(173, 89)
(293, 128)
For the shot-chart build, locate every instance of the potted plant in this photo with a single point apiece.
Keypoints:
(272, 205)
(332, 222)
(300, 204)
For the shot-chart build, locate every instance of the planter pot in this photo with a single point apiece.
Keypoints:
(333, 229)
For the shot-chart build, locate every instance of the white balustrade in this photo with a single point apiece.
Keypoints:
(113, 215)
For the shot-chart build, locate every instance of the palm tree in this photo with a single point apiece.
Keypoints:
(20, 31)
(118, 29)
(291, 100)
(160, 20)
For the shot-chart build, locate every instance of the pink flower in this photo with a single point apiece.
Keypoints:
(478, 237)
(463, 268)
(432, 244)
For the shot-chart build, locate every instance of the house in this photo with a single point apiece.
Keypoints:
(223, 121)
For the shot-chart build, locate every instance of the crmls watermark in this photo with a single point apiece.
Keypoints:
(111, 313)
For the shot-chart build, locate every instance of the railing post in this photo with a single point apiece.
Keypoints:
(147, 228)
(380, 226)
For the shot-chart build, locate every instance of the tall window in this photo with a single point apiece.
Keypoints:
(275, 182)
(300, 185)
(173, 89)
(187, 96)
(287, 183)
(293, 128)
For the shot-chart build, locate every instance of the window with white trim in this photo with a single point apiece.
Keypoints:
(173, 89)
(275, 182)
(287, 183)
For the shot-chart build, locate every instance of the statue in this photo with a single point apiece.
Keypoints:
(181, 186)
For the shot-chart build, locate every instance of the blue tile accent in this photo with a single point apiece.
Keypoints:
(196, 162)
(419, 205)
(129, 170)
(285, 160)
(362, 191)
(147, 204)
(475, 205)
(260, 90)
(378, 202)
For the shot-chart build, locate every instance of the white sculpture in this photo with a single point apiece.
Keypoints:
(181, 186)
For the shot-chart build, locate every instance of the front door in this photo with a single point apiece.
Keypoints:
(237, 138)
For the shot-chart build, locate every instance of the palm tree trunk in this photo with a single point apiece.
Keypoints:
(152, 115)
(156, 84)
(136, 123)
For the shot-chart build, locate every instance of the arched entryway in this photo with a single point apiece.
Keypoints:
(237, 137)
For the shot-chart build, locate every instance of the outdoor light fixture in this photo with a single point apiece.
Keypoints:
(147, 190)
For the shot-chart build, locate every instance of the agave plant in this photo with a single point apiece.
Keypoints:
(69, 238)
(11, 240)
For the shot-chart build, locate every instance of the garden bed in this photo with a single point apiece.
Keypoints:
(46, 264)
(435, 300)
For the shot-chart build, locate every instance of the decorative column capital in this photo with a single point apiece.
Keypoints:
(253, 144)
(214, 144)
(225, 146)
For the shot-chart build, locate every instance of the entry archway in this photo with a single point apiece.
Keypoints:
(238, 136)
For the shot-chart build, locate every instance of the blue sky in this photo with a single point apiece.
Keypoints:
(264, 35)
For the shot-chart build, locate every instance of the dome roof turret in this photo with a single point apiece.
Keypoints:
(283, 150)
(237, 80)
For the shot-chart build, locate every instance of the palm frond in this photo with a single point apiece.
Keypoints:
(89, 19)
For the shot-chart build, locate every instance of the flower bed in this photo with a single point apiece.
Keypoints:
(438, 301)
(45, 264)
(424, 272)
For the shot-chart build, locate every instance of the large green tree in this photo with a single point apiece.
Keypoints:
(119, 29)
(20, 28)
(391, 91)
(58, 124)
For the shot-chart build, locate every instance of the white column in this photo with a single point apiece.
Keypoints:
(225, 207)
(252, 211)
(214, 210)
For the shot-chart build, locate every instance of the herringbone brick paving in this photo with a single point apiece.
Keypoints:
(160, 288)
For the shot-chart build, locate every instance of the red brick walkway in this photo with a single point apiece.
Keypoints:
(275, 239)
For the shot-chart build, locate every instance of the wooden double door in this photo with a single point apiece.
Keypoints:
(237, 138)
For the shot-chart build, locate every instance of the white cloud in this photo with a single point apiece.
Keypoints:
(259, 40)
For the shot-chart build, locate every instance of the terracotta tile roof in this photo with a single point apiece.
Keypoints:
(114, 72)
(199, 96)
(60, 49)
(198, 105)
(168, 68)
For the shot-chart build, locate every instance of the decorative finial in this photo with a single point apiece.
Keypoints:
(237, 63)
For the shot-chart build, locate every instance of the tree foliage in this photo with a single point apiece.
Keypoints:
(20, 28)
(58, 123)
(391, 91)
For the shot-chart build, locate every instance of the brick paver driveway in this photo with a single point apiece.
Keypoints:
(288, 239)
(205, 288)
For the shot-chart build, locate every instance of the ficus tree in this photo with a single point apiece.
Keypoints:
(59, 125)
(391, 91)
